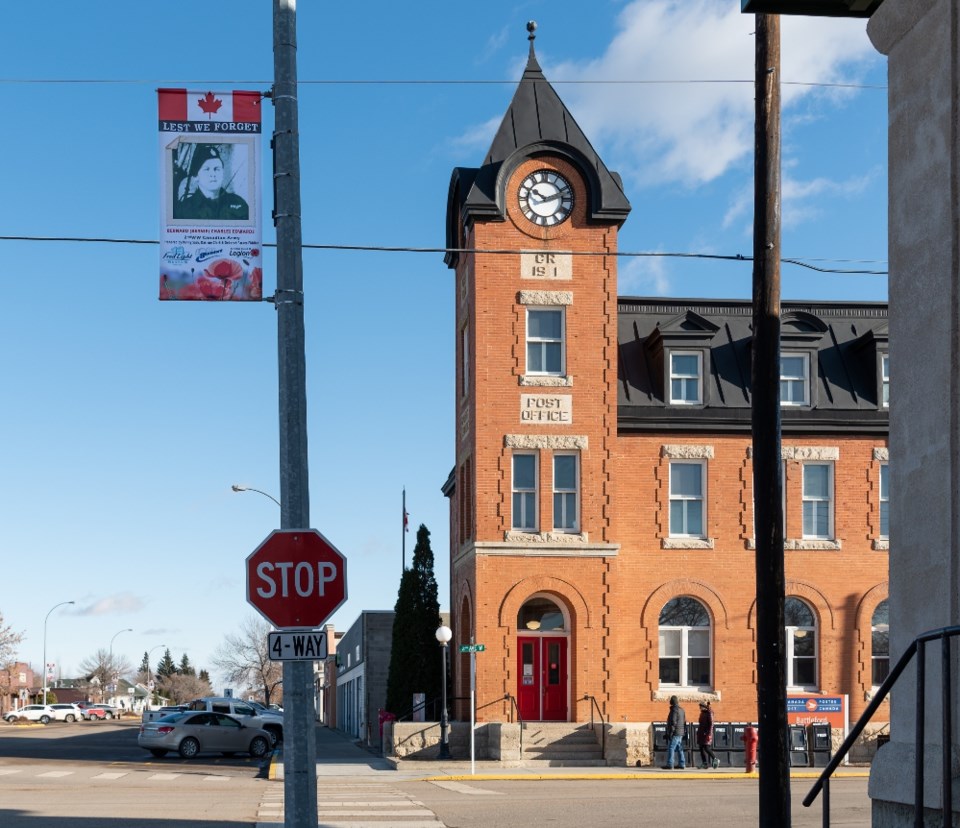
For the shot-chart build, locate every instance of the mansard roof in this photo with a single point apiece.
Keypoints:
(843, 340)
(536, 123)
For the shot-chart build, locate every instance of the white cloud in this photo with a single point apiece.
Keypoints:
(694, 132)
(122, 602)
(646, 276)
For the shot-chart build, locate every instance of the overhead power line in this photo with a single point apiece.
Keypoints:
(421, 82)
(371, 248)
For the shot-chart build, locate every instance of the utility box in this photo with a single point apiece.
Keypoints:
(797, 739)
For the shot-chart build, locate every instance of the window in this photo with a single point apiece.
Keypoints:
(464, 361)
(884, 501)
(817, 500)
(685, 374)
(794, 379)
(544, 341)
(880, 649)
(801, 644)
(565, 492)
(525, 492)
(885, 381)
(686, 500)
(684, 644)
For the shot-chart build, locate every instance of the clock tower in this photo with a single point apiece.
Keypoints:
(532, 239)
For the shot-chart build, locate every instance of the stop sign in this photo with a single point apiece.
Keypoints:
(296, 578)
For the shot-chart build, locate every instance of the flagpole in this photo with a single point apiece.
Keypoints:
(403, 532)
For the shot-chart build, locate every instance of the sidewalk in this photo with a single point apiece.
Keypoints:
(339, 755)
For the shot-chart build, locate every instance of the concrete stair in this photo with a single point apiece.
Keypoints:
(560, 744)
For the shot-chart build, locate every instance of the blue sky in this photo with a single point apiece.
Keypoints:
(126, 420)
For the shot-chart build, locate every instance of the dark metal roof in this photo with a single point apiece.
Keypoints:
(536, 123)
(813, 8)
(846, 339)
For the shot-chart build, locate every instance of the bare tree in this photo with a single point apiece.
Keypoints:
(9, 641)
(243, 659)
(182, 688)
(104, 669)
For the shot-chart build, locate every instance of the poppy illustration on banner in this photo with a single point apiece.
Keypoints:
(210, 217)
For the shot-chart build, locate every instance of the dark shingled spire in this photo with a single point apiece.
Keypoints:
(535, 123)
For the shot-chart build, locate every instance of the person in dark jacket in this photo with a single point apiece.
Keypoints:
(708, 759)
(676, 725)
(210, 200)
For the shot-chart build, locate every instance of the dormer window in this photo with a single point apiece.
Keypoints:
(885, 380)
(794, 379)
(686, 372)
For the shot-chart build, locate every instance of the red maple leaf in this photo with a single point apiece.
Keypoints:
(210, 104)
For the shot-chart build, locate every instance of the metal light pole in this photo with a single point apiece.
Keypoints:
(62, 603)
(127, 629)
(149, 671)
(238, 488)
(444, 634)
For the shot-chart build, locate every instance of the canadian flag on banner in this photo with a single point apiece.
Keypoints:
(224, 107)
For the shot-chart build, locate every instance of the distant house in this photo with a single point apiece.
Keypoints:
(18, 686)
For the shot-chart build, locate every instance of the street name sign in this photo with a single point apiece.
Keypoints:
(297, 646)
(296, 578)
(472, 648)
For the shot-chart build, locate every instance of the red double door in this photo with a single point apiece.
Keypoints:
(542, 678)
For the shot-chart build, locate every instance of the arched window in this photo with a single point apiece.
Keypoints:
(801, 643)
(685, 644)
(880, 650)
(540, 615)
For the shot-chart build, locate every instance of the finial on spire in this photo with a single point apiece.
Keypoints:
(531, 27)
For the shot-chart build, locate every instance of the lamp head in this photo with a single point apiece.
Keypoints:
(444, 634)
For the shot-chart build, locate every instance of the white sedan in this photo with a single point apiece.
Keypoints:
(42, 713)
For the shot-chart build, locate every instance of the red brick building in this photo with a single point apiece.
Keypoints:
(601, 499)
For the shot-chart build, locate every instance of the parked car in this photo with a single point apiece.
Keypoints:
(192, 733)
(100, 711)
(64, 712)
(269, 720)
(42, 713)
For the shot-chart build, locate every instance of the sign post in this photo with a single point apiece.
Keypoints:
(473, 649)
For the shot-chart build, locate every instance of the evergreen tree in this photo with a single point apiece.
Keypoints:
(204, 676)
(166, 667)
(186, 668)
(144, 664)
(415, 655)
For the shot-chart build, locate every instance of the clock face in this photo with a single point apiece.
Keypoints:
(546, 198)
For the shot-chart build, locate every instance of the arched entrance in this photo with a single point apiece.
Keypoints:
(543, 679)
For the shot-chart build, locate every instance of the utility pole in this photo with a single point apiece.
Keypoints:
(300, 743)
(774, 786)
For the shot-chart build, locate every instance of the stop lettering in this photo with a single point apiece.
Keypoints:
(296, 578)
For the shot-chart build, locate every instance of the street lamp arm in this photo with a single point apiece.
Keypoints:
(238, 488)
(44, 665)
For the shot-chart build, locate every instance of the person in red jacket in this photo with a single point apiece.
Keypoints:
(708, 759)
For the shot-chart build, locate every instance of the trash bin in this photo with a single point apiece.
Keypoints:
(797, 739)
(821, 745)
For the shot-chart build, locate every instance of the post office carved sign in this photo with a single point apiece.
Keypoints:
(546, 409)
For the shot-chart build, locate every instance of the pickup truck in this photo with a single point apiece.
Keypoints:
(269, 720)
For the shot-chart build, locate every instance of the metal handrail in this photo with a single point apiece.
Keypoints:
(918, 647)
(603, 724)
(515, 706)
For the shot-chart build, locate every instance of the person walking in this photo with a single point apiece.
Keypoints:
(676, 725)
(708, 759)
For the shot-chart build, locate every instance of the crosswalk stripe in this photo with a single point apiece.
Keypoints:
(8, 771)
(55, 774)
(110, 775)
(164, 777)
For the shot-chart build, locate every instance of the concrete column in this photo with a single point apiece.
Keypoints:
(919, 38)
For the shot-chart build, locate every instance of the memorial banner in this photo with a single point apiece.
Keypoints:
(210, 213)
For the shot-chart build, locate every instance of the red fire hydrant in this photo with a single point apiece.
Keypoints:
(750, 739)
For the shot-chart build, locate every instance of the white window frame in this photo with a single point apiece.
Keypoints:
(686, 380)
(884, 380)
(684, 498)
(543, 342)
(567, 496)
(792, 380)
(883, 490)
(684, 654)
(524, 522)
(816, 502)
(791, 634)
